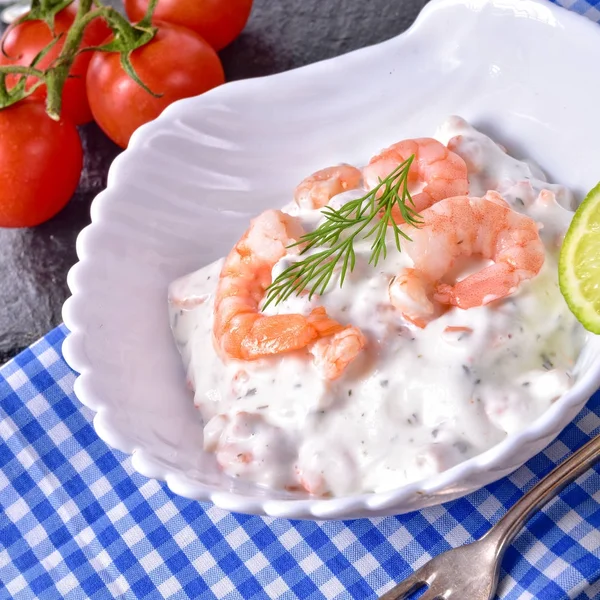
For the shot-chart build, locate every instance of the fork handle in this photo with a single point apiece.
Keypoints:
(507, 528)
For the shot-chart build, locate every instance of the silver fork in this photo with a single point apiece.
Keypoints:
(471, 571)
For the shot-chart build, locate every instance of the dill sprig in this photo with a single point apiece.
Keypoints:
(368, 216)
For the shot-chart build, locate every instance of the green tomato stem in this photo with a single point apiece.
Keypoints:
(147, 20)
(17, 92)
(4, 95)
(20, 70)
(123, 29)
(43, 10)
(127, 38)
(57, 75)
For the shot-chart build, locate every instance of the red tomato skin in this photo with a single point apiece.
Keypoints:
(219, 22)
(40, 164)
(23, 42)
(176, 63)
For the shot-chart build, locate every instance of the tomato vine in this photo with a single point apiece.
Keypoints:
(126, 38)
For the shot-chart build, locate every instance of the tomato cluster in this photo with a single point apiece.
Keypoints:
(40, 158)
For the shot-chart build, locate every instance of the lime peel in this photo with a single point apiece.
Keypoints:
(579, 263)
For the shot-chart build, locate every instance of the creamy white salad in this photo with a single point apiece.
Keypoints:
(398, 384)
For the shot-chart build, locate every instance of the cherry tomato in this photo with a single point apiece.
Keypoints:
(23, 42)
(176, 63)
(219, 22)
(40, 164)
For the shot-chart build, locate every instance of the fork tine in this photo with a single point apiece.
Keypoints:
(411, 584)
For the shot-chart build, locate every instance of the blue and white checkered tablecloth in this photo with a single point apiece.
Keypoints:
(77, 522)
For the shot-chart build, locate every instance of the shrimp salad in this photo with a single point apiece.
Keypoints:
(411, 366)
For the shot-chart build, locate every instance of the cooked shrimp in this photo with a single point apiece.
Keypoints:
(436, 172)
(245, 443)
(333, 354)
(240, 330)
(317, 189)
(313, 482)
(465, 226)
(412, 294)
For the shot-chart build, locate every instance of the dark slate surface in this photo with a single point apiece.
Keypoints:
(280, 35)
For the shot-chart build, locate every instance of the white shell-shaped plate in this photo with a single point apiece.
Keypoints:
(524, 71)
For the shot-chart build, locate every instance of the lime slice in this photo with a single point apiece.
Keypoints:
(579, 264)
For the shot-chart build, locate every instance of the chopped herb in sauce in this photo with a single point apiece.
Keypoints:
(413, 419)
(462, 446)
(547, 363)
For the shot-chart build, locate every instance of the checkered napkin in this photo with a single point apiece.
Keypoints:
(77, 522)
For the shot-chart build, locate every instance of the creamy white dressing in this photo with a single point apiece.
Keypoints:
(416, 401)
